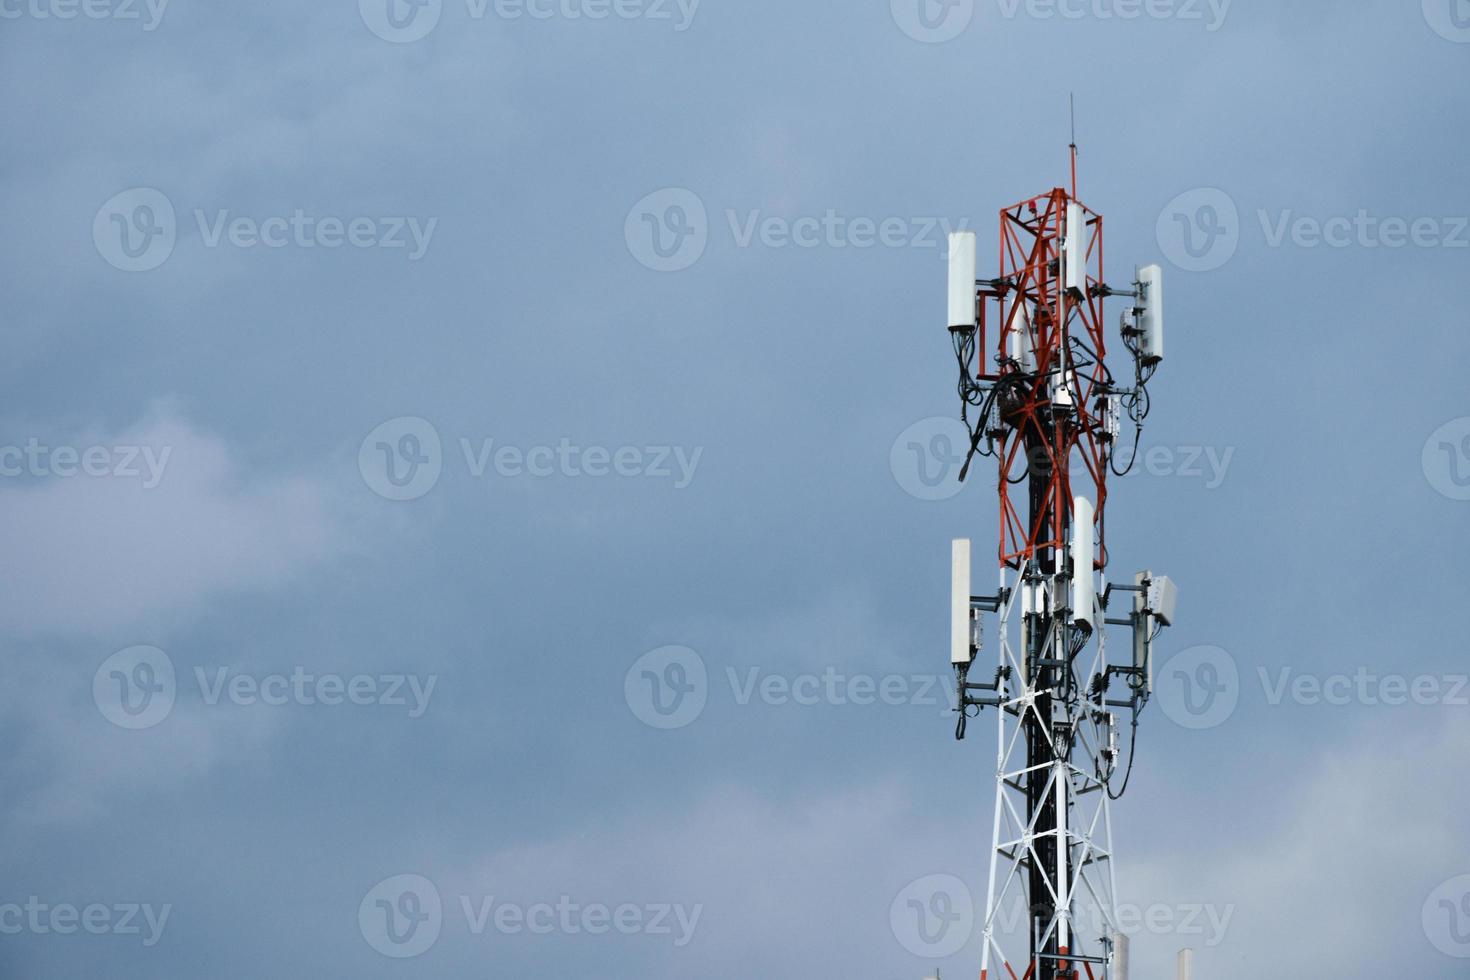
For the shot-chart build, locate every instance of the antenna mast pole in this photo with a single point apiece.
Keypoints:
(1072, 106)
(1049, 410)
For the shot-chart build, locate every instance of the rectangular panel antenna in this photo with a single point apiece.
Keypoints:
(1022, 343)
(960, 595)
(1084, 577)
(962, 265)
(1074, 249)
(1142, 630)
(1163, 599)
(1151, 315)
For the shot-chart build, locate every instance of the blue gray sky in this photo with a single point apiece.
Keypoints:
(391, 390)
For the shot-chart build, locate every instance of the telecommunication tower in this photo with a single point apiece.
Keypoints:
(1039, 397)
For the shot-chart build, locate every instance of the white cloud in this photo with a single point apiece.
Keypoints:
(1336, 885)
(787, 886)
(101, 562)
(106, 555)
(72, 765)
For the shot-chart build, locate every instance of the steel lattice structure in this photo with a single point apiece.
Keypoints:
(1049, 412)
(1035, 436)
(1052, 838)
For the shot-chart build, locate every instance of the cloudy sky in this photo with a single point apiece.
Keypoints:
(398, 393)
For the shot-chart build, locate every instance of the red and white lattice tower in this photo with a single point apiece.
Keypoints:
(1040, 398)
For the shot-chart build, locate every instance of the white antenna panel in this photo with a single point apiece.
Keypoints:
(1084, 577)
(960, 594)
(1022, 341)
(962, 264)
(1163, 599)
(1142, 630)
(1074, 249)
(1151, 317)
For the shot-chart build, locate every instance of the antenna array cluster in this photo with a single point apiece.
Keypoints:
(1039, 397)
